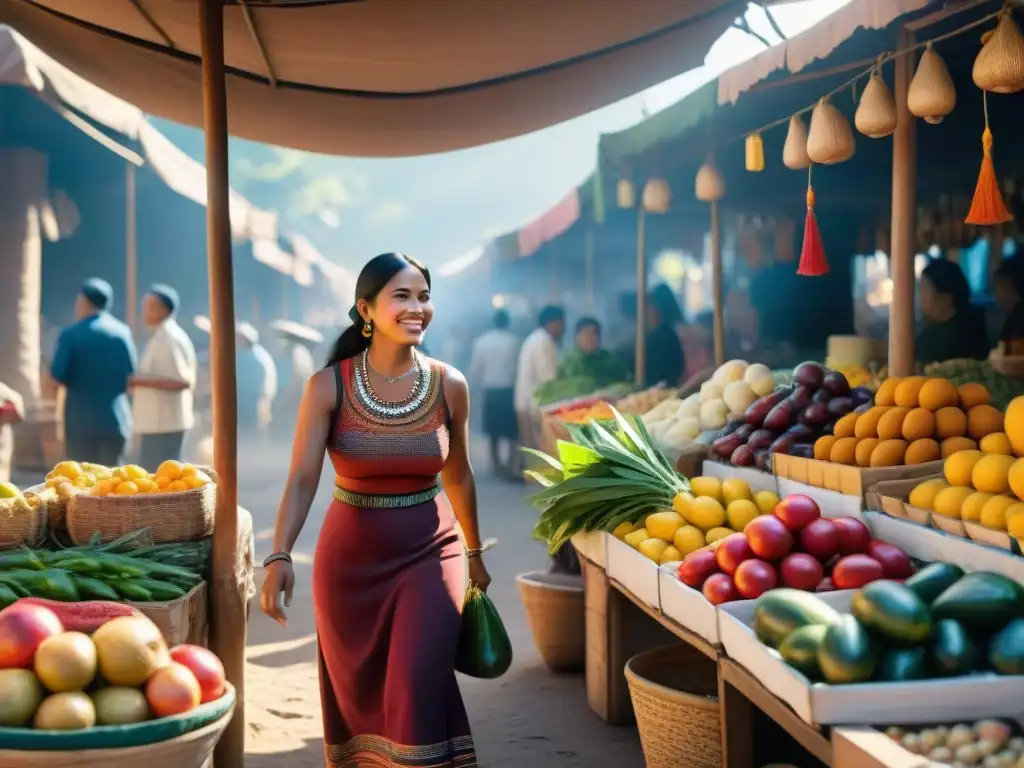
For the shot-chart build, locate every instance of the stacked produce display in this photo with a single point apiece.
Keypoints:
(989, 743)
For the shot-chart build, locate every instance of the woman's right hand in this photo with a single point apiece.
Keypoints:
(278, 578)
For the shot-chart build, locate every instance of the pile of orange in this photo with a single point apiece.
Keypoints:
(170, 477)
(915, 420)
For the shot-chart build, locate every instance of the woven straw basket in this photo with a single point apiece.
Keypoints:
(192, 750)
(24, 525)
(182, 516)
(675, 697)
(554, 608)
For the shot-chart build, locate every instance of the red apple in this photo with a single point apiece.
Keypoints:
(801, 571)
(825, 586)
(22, 629)
(854, 571)
(719, 589)
(755, 577)
(696, 567)
(768, 537)
(205, 666)
(895, 562)
(733, 550)
(797, 511)
(854, 536)
(821, 539)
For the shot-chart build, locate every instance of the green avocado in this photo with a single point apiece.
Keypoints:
(901, 664)
(981, 601)
(781, 611)
(932, 580)
(1006, 652)
(953, 651)
(893, 611)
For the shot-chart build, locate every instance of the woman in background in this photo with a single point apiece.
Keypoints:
(665, 361)
(1008, 287)
(954, 328)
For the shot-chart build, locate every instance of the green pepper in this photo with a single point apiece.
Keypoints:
(24, 560)
(7, 596)
(52, 584)
(95, 589)
(87, 566)
(160, 590)
(149, 569)
(130, 591)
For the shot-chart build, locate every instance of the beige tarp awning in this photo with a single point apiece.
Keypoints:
(381, 77)
(813, 43)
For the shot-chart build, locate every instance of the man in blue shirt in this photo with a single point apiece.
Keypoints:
(94, 361)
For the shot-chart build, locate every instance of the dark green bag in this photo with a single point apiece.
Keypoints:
(484, 649)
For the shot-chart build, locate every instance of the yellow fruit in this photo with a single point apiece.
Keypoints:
(68, 469)
(948, 501)
(670, 555)
(993, 514)
(134, 472)
(66, 662)
(890, 426)
(991, 473)
(740, 512)
(922, 451)
(886, 394)
(1014, 424)
(734, 489)
(970, 510)
(65, 712)
(118, 474)
(909, 391)
(938, 393)
(889, 453)
(918, 425)
(997, 442)
(170, 469)
(766, 501)
(196, 481)
(188, 470)
(9, 491)
(867, 424)
(983, 420)
(1015, 521)
(688, 539)
(717, 534)
(972, 394)
(162, 482)
(846, 426)
(636, 537)
(923, 496)
(126, 488)
(706, 513)
(619, 533)
(952, 445)
(681, 503)
(960, 465)
(707, 486)
(950, 422)
(862, 453)
(844, 450)
(823, 447)
(20, 695)
(103, 488)
(664, 524)
(146, 485)
(652, 548)
(1016, 479)
(176, 485)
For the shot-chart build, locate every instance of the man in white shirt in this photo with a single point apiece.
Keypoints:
(163, 389)
(493, 367)
(538, 364)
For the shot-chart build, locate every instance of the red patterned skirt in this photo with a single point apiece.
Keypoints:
(388, 586)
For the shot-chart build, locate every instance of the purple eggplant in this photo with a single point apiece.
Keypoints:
(835, 383)
(761, 439)
(800, 398)
(760, 408)
(745, 431)
(783, 444)
(723, 447)
(821, 396)
(840, 406)
(861, 396)
(780, 417)
(742, 457)
(814, 415)
(803, 450)
(810, 375)
(799, 433)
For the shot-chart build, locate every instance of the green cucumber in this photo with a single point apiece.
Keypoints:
(95, 589)
(893, 611)
(800, 649)
(981, 601)
(781, 611)
(898, 665)
(932, 580)
(1006, 653)
(847, 654)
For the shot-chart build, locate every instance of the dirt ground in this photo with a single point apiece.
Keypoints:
(529, 717)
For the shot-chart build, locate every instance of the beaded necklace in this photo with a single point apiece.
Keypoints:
(386, 409)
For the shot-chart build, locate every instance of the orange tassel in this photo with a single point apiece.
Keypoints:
(987, 208)
(812, 253)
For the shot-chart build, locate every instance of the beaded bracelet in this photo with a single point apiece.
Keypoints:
(489, 544)
(277, 556)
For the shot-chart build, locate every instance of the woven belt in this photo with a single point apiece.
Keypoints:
(385, 501)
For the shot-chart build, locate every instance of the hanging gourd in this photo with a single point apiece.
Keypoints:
(987, 207)
(876, 112)
(932, 94)
(625, 194)
(794, 151)
(709, 185)
(812, 253)
(657, 196)
(755, 152)
(830, 138)
(999, 66)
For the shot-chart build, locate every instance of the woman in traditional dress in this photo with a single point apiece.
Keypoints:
(389, 571)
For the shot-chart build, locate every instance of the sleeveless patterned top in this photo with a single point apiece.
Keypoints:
(373, 454)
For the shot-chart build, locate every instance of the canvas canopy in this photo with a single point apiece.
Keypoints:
(380, 77)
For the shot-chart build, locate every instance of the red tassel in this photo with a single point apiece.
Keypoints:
(987, 207)
(812, 253)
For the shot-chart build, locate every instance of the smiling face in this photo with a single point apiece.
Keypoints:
(402, 310)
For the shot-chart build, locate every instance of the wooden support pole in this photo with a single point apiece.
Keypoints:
(904, 219)
(717, 299)
(131, 287)
(641, 300)
(227, 599)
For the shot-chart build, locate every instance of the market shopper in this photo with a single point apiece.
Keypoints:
(94, 361)
(538, 364)
(163, 389)
(665, 362)
(389, 569)
(493, 367)
(256, 381)
(954, 328)
(1008, 287)
(588, 357)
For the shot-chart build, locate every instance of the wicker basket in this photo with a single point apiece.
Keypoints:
(675, 697)
(192, 750)
(182, 516)
(554, 607)
(22, 524)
